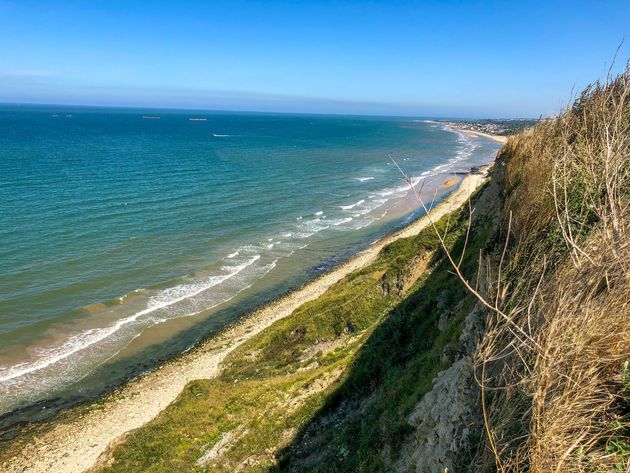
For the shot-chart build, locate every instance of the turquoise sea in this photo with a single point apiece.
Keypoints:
(125, 238)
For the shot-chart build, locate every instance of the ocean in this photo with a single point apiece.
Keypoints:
(127, 236)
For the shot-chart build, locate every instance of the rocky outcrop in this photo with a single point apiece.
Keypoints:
(399, 282)
(446, 419)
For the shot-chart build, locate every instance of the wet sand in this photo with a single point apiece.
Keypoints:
(76, 442)
(449, 183)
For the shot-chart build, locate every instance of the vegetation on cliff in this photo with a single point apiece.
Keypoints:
(554, 361)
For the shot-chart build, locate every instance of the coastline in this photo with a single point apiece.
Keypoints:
(498, 138)
(76, 441)
(449, 126)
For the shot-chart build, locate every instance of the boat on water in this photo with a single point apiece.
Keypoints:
(149, 117)
(198, 119)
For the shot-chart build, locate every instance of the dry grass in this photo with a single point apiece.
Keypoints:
(553, 365)
(576, 381)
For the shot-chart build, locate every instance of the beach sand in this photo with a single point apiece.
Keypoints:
(75, 442)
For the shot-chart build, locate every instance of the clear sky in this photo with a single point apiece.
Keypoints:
(441, 58)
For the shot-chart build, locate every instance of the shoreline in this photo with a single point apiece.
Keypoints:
(498, 138)
(76, 440)
(450, 126)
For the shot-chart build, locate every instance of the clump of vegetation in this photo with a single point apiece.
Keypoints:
(550, 366)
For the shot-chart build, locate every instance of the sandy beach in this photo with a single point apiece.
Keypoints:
(497, 138)
(75, 443)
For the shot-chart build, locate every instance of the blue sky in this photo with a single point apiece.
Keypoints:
(448, 58)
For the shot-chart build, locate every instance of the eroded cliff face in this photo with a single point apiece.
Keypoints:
(437, 420)
(447, 423)
(447, 419)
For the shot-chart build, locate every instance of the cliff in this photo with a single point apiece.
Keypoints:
(496, 339)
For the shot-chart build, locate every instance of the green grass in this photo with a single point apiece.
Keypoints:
(205, 411)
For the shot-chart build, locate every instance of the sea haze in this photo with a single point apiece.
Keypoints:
(125, 238)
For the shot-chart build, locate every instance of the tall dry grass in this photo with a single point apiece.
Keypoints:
(554, 363)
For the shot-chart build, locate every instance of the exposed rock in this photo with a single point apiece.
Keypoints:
(398, 283)
(471, 332)
(444, 421)
(218, 448)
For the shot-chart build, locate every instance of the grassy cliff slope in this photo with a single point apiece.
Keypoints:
(371, 344)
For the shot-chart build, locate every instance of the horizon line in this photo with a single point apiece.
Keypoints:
(269, 112)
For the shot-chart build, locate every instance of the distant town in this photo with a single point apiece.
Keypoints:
(503, 127)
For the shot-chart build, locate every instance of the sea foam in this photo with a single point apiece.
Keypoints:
(165, 298)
